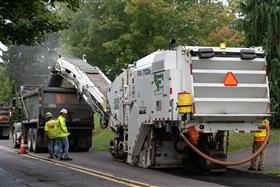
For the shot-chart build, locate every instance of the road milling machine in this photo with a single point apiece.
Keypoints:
(175, 107)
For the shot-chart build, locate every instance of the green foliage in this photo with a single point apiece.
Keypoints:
(239, 141)
(5, 85)
(115, 33)
(274, 172)
(27, 22)
(274, 82)
(101, 137)
(262, 28)
(231, 37)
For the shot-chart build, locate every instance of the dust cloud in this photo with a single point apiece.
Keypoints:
(29, 64)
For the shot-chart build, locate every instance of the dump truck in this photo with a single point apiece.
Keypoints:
(174, 108)
(4, 122)
(36, 101)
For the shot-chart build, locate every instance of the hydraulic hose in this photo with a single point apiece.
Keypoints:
(228, 163)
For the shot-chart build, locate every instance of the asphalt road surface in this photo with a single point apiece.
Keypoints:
(97, 169)
(272, 158)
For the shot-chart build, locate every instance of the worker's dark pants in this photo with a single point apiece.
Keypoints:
(256, 146)
(53, 145)
(64, 146)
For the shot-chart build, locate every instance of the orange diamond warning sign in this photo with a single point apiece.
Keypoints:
(230, 79)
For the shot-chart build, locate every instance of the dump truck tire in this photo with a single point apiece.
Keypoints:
(15, 144)
(29, 139)
(35, 140)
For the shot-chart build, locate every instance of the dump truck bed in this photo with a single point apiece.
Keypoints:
(37, 102)
(52, 99)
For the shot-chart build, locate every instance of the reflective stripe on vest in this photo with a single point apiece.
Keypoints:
(260, 136)
(259, 139)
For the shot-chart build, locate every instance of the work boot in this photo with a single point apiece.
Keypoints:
(51, 157)
(61, 158)
(251, 169)
(68, 158)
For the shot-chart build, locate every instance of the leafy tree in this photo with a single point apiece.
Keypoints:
(224, 34)
(27, 22)
(262, 28)
(96, 23)
(215, 23)
(5, 85)
(114, 33)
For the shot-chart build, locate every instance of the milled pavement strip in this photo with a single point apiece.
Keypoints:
(89, 171)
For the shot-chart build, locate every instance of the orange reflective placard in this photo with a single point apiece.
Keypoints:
(230, 80)
(59, 99)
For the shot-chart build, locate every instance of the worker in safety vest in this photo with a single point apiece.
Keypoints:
(51, 131)
(63, 135)
(259, 138)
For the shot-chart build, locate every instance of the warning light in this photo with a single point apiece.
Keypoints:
(223, 45)
(230, 80)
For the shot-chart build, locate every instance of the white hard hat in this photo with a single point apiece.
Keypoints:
(63, 111)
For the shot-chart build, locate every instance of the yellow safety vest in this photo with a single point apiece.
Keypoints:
(62, 129)
(51, 128)
(260, 136)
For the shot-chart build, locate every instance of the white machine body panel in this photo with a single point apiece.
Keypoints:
(142, 102)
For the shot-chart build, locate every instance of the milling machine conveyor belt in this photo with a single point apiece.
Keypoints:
(89, 80)
(93, 73)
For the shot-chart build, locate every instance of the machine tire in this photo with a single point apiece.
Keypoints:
(15, 144)
(35, 140)
(121, 153)
(29, 139)
(135, 160)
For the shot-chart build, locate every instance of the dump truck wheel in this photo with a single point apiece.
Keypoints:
(35, 140)
(29, 139)
(15, 144)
